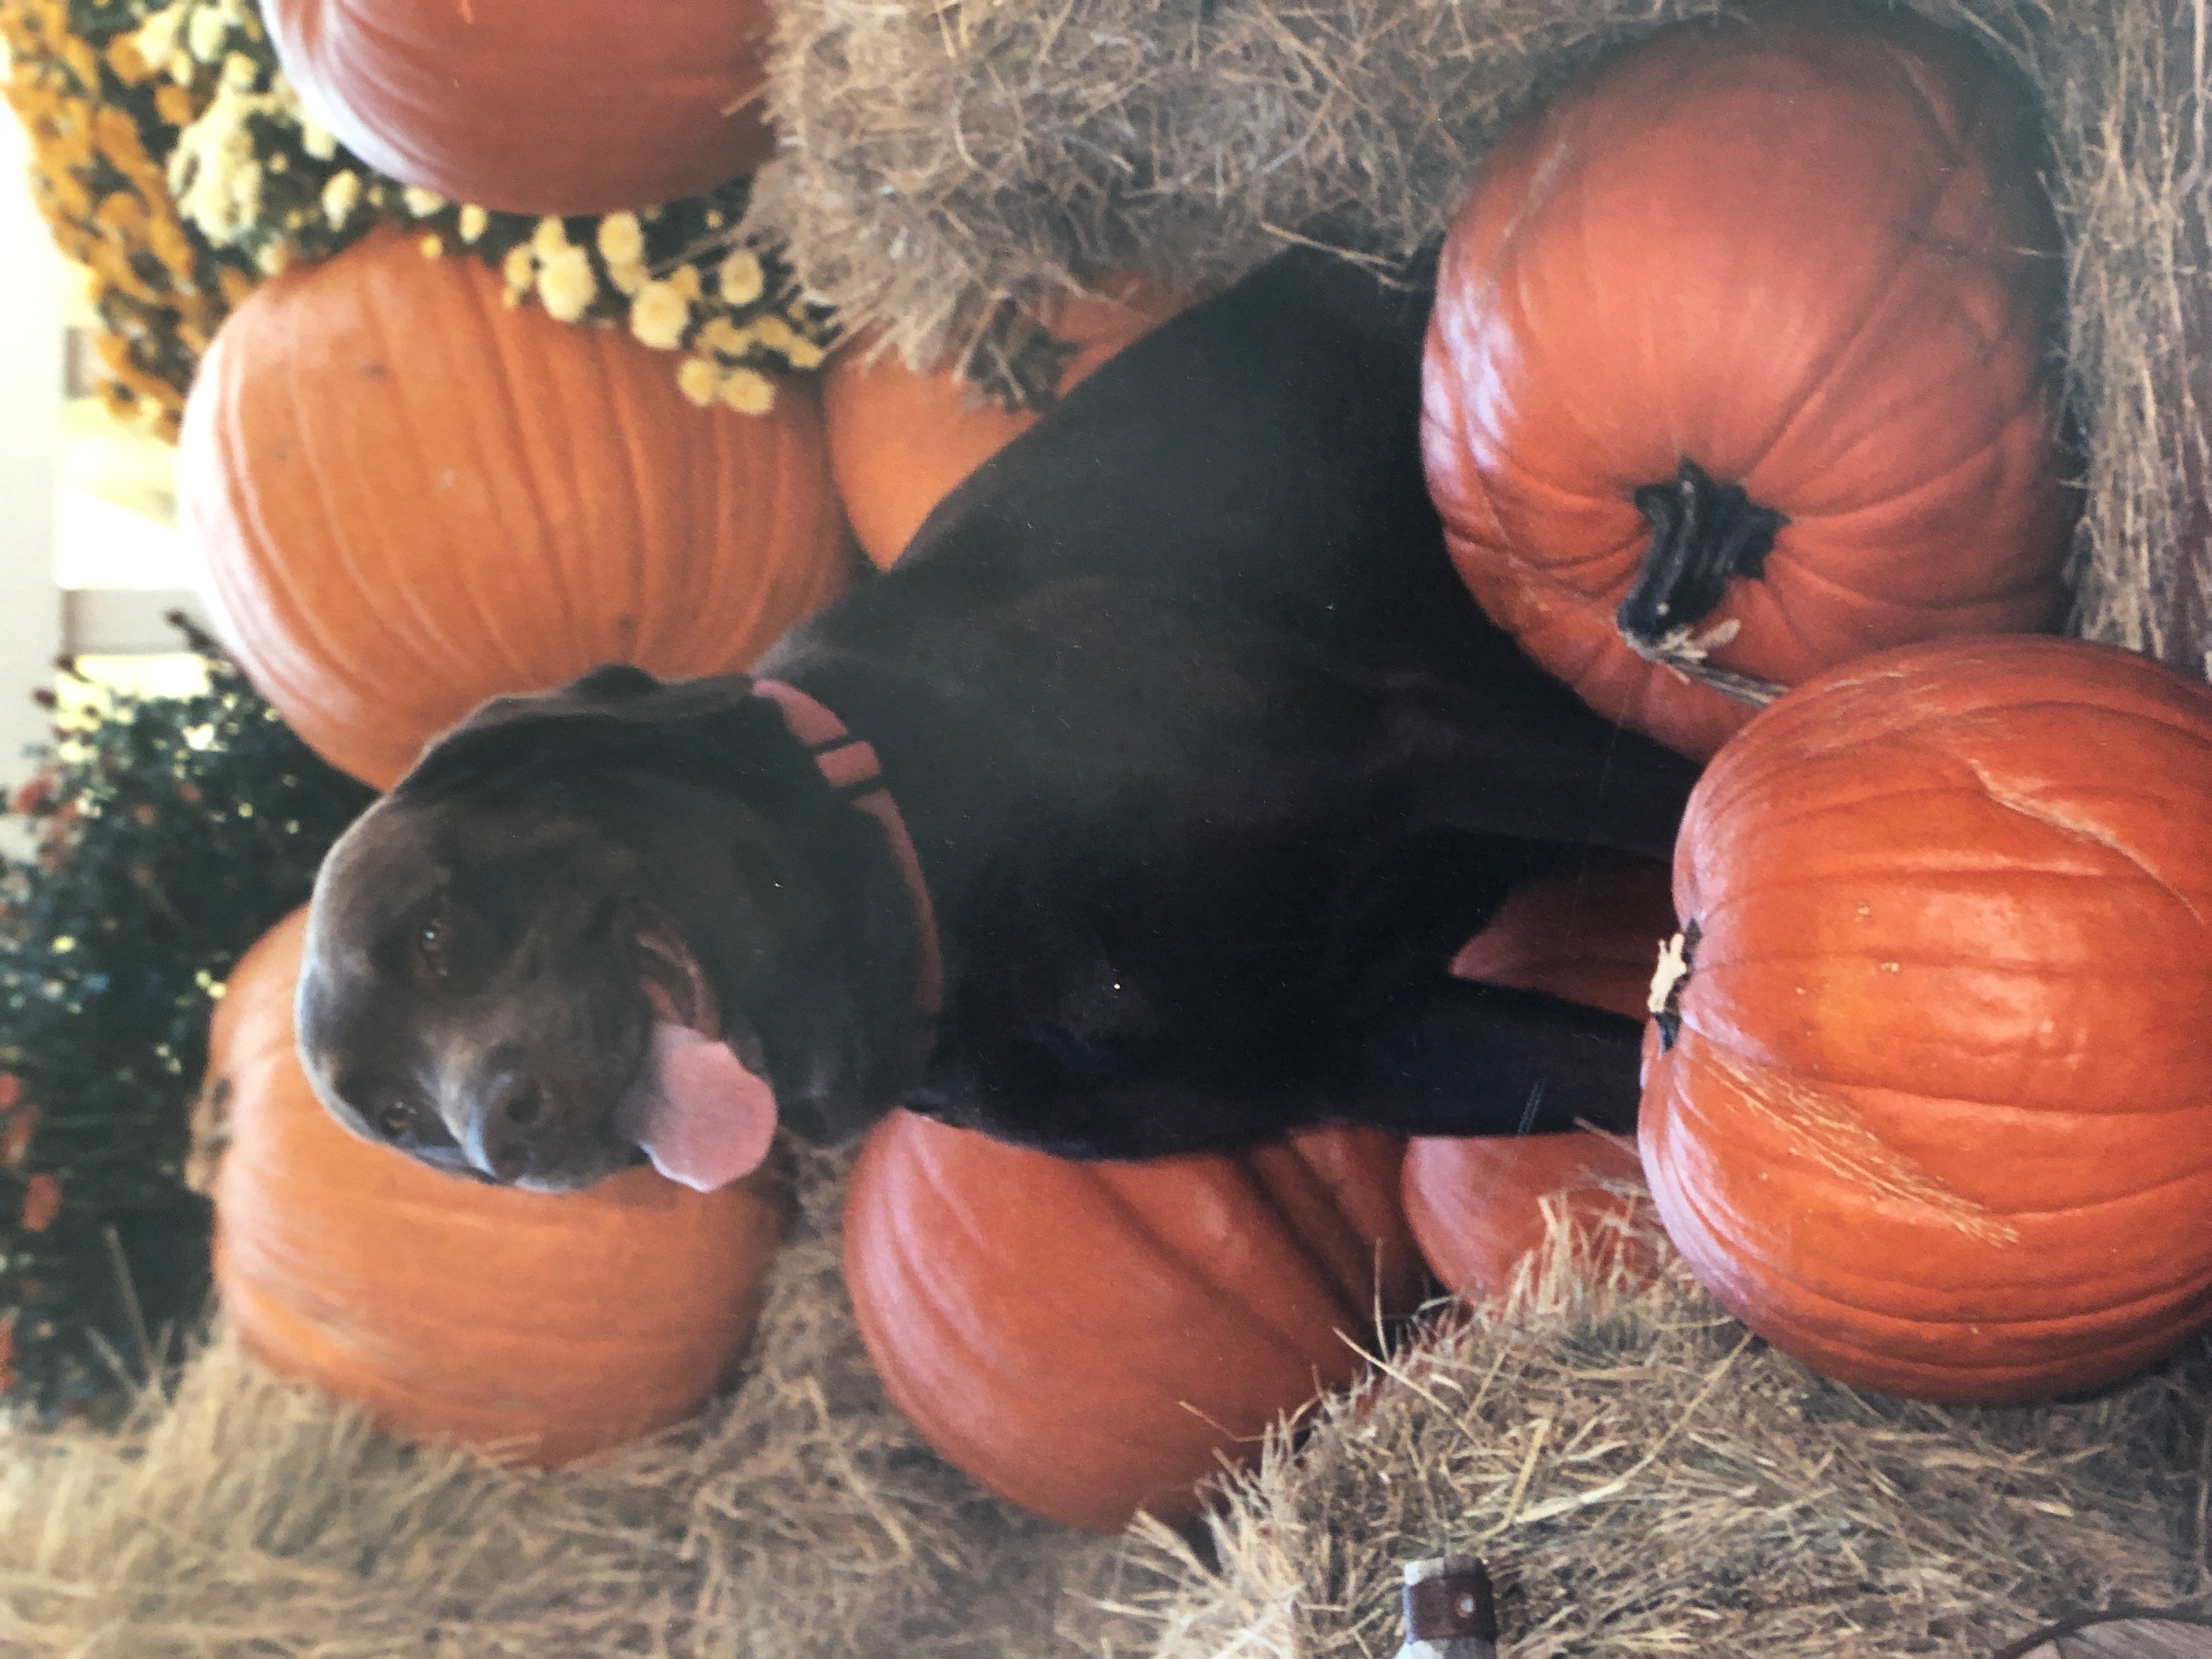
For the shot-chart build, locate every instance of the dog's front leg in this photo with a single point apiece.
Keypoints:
(1448, 1056)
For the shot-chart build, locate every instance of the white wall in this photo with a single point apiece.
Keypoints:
(32, 285)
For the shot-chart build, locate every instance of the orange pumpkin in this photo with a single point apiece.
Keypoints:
(1475, 1203)
(900, 440)
(1741, 356)
(409, 497)
(539, 1327)
(536, 105)
(1936, 1116)
(1091, 1340)
(1588, 933)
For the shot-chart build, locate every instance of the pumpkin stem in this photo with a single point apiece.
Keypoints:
(1703, 535)
(1678, 958)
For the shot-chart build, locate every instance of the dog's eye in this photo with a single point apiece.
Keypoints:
(394, 1119)
(432, 940)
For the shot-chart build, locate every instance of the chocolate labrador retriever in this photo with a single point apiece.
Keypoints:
(1139, 808)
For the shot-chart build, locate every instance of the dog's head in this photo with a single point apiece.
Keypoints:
(616, 920)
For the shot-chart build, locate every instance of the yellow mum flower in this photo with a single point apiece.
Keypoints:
(700, 380)
(127, 63)
(621, 239)
(207, 34)
(749, 391)
(739, 278)
(83, 61)
(565, 287)
(725, 338)
(156, 39)
(175, 106)
(341, 195)
(659, 316)
(474, 219)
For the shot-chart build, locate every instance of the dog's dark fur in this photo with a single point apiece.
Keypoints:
(1210, 762)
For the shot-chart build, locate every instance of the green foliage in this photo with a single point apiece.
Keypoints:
(169, 834)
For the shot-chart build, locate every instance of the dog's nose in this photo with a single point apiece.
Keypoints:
(504, 1126)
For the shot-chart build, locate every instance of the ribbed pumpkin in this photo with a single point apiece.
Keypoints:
(900, 440)
(1742, 347)
(543, 1328)
(1091, 1340)
(536, 105)
(1475, 1203)
(1936, 1115)
(409, 497)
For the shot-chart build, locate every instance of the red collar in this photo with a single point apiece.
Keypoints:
(849, 766)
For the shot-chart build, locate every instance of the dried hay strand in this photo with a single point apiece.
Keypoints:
(1646, 1477)
(952, 165)
(800, 1516)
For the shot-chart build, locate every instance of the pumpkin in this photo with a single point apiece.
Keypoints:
(1475, 1203)
(1929, 1105)
(1091, 1340)
(1586, 932)
(899, 438)
(408, 498)
(539, 1327)
(1740, 361)
(550, 106)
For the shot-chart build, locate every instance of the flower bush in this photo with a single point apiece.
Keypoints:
(167, 833)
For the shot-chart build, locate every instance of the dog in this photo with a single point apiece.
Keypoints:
(1139, 808)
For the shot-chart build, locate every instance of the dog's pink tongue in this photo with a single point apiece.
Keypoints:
(704, 1119)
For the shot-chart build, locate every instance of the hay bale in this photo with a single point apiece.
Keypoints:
(1645, 1477)
(956, 163)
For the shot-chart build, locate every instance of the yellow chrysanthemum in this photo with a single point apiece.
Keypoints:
(700, 380)
(659, 316)
(749, 391)
(621, 239)
(341, 195)
(739, 278)
(725, 338)
(566, 286)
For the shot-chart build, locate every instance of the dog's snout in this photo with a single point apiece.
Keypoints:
(504, 1124)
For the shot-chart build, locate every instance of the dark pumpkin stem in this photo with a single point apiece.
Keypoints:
(1703, 535)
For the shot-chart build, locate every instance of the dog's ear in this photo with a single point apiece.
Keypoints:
(610, 682)
(715, 731)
